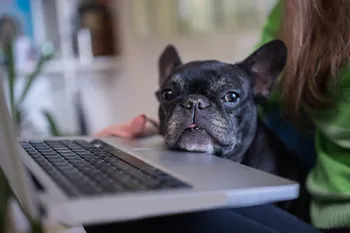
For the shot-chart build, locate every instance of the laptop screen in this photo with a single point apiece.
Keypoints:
(11, 163)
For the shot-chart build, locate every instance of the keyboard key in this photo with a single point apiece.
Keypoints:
(34, 142)
(83, 168)
(100, 165)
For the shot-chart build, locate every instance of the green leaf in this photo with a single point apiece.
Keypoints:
(5, 194)
(11, 73)
(31, 78)
(36, 227)
(52, 124)
(19, 116)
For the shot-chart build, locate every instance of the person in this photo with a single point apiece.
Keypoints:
(309, 110)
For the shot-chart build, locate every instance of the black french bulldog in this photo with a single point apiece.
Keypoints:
(212, 106)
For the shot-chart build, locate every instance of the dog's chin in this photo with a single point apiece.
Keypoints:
(196, 141)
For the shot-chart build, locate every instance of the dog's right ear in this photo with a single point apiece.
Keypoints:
(168, 61)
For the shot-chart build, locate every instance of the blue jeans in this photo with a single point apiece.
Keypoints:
(257, 219)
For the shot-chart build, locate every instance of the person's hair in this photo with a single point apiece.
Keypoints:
(317, 35)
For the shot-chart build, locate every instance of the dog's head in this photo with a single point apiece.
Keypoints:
(211, 106)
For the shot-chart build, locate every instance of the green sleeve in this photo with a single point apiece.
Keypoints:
(329, 181)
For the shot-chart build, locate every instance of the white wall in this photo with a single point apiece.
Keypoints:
(133, 92)
(116, 97)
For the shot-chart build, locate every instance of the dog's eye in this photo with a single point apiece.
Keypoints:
(168, 94)
(231, 97)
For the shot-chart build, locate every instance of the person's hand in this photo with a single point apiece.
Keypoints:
(140, 126)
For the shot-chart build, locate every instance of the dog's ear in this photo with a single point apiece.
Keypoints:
(168, 60)
(265, 65)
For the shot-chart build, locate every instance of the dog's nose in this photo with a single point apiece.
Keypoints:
(195, 102)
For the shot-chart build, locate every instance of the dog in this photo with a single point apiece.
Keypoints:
(209, 106)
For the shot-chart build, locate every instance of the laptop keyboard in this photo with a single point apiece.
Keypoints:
(93, 168)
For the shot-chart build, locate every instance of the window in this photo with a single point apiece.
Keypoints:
(193, 17)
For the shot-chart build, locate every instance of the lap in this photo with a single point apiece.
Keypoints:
(259, 219)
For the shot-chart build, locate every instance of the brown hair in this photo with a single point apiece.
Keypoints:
(317, 35)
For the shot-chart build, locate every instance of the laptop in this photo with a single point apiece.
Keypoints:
(85, 180)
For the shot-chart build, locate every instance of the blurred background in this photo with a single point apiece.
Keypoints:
(73, 67)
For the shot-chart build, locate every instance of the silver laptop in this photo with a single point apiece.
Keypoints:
(78, 181)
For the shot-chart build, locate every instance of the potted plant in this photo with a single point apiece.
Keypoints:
(17, 112)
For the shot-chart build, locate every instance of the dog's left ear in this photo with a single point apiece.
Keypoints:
(168, 61)
(264, 65)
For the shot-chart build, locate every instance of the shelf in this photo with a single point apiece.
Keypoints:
(98, 64)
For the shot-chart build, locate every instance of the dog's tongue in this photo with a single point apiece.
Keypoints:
(192, 126)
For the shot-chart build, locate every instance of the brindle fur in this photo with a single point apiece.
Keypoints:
(232, 131)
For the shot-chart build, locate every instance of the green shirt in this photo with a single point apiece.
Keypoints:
(329, 180)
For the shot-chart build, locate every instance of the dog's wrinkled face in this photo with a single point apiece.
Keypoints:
(211, 106)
